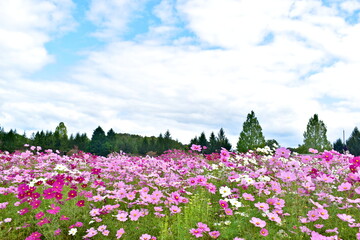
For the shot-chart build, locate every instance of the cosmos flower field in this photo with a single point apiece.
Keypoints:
(262, 194)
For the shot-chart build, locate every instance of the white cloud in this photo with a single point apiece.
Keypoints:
(286, 60)
(25, 26)
(112, 16)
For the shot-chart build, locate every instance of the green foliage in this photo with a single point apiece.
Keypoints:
(251, 136)
(97, 144)
(214, 144)
(315, 135)
(353, 143)
(222, 140)
(339, 145)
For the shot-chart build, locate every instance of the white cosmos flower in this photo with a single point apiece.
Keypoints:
(224, 191)
(73, 231)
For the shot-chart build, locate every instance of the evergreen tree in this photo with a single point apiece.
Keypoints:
(97, 143)
(61, 138)
(195, 141)
(111, 140)
(353, 142)
(339, 146)
(213, 144)
(167, 141)
(251, 136)
(222, 140)
(203, 141)
(315, 135)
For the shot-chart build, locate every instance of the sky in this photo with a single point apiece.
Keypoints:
(187, 66)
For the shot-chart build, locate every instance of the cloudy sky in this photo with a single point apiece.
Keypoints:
(145, 66)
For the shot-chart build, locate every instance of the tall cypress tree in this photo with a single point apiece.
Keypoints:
(251, 136)
(315, 135)
(353, 142)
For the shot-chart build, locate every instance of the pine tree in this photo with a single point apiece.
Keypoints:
(315, 135)
(251, 136)
(61, 138)
(353, 142)
(97, 143)
(202, 140)
(213, 143)
(339, 146)
(110, 140)
(222, 140)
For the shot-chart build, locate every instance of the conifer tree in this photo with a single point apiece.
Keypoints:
(353, 143)
(315, 135)
(223, 141)
(97, 143)
(339, 146)
(251, 136)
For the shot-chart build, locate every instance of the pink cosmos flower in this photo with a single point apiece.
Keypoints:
(228, 211)
(134, 215)
(175, 209)
(223, 204)
(248, 197)
(80, 203)
(196, 232)
(57, 232)
(39, 215)
(346, 218)
(43, 221)
(119, 233)
(258, 222)
(313, 150)
(35, 203)
(224, 154)
(262, 206)
(23, 211)
(346, 186)
(196, 148)
(72, 194)
(105, 232)
(319, 225)
(274, 217)
(122, 216)
(214, 234)
(91, 232)
(323, 213)
(203, 227)
(54, 209)
(78, 224)
(282, 152)
(64, 218)
(145, 236)
(313, 215)
(102, 228)
(264, 232)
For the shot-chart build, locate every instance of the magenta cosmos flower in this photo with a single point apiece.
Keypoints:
(264, 232)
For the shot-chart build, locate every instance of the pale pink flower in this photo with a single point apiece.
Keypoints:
(346, 186)
(258, 222)
(119, 233)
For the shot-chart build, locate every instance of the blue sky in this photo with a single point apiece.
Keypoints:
(146, 66)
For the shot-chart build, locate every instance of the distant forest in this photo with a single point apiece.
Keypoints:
(102, 143)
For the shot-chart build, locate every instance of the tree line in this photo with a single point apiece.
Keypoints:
(101, 143)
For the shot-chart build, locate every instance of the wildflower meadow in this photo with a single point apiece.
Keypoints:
(262, 194)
